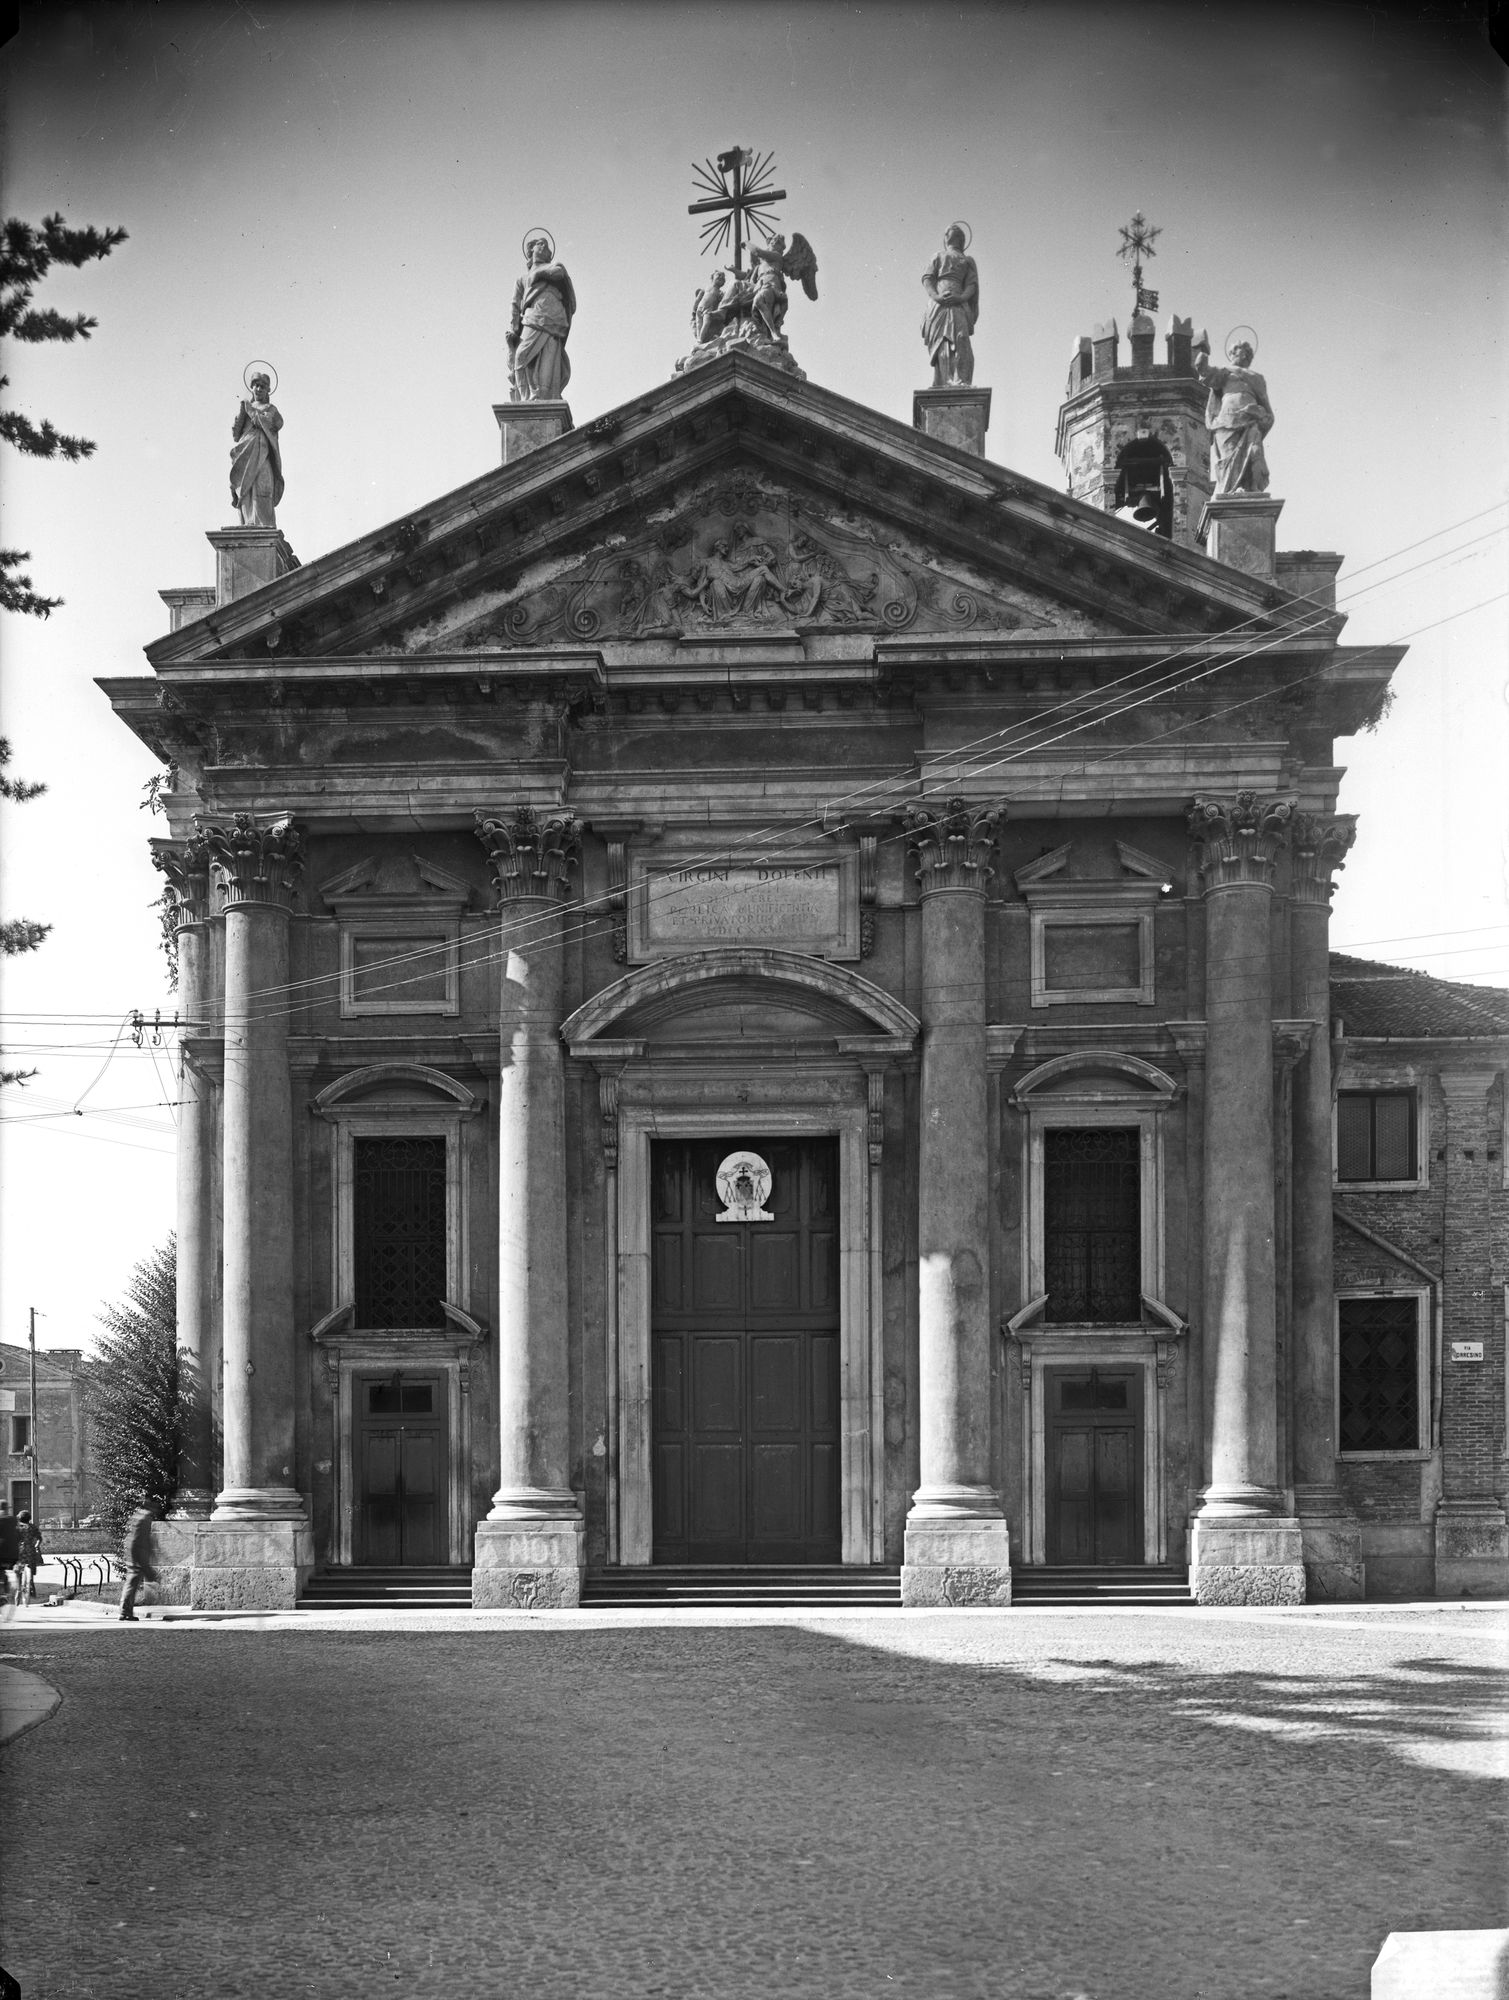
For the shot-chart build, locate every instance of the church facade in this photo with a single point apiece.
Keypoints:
(757, 994)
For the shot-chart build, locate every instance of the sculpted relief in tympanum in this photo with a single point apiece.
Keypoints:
(739, 556)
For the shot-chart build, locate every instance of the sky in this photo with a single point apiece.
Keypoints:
(342, 189)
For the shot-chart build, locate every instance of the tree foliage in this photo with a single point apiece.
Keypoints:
(18, 934)
(139, 1391)
(27, 253)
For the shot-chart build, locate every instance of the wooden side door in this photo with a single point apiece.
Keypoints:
(1094, 1465)
(745, 1359)
(402, 1518)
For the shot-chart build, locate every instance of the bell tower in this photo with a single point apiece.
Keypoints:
(1132, 438)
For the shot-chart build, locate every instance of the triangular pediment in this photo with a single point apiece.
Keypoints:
(730, 503)
(395, 881)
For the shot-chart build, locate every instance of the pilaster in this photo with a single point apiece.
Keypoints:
(1330, 1532)
(957, 1546)
(529, 1550)
(1243, 1548)
(257, 1547)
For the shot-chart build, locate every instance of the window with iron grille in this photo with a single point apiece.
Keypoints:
(1092, 1224)
(1375, 1135)
(400, 1232)
(1378, 1373)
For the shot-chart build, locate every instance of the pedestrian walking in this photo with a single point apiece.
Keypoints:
(10, 1550)
(136, 1553)
(29, 1538)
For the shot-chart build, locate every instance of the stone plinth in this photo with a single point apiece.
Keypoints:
(954, 1562)
(528, 1565)
(245, 560)
(1238, 529)
(1259, 1560)
(1472, 1548)
(250, 1565)
(187, 605)
(526, 426)
(1442, 1965)
(957, 415)
(173, 1559)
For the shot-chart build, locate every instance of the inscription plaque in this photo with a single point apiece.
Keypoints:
(792, 900)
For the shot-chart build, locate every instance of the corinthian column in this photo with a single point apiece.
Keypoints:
(186, 865)
(1329, 1530)
(256, 1548)
(957, 1548)
(529, 1549)
(1244, 1549)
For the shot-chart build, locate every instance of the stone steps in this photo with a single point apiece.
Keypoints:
(389, 1590)
(1151, 1584)
(708, 1586)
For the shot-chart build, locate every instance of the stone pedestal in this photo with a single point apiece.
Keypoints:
(1472, 1548)
(957, 1547)
(957, 415)
(250, 1565)
(186, 864)
(526, 426)
(173, 1559)
(529, 1549)
(259, 1515)
(1245, 1547)
(1330, 1531)
(246, 559)
(1239, 528)
(188, 605)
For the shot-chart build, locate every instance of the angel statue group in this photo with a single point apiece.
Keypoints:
(750, 311)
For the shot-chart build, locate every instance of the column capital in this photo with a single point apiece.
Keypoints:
(1238, 838)
(953, 843)
(186, 865)
(1318, 843)
(531, 855)
(255, 864)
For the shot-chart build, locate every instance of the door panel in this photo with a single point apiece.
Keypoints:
(401, 1511)
(745, 1354)
(1094, 1465)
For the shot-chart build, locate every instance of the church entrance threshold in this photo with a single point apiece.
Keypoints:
(1094, 1458)
(402, 1472)
(745, 1353)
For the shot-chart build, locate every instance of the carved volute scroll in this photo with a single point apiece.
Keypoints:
(255, 864)
(953, 843)
(1239, 838)
(186, 865)
(1318, 844)
(531, 856)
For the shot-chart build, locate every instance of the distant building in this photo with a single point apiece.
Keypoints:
(62, 1471)
(1422, 1275)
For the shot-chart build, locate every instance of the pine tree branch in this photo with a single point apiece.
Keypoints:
(16, 593)
(48, 324)
(19, 934)
(42, 440)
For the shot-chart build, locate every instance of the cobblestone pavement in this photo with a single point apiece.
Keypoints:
(960, 1806)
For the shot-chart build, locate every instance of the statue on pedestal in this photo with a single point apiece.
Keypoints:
(544, 305)
(1238, 416)
(256, 459)
(952, 284)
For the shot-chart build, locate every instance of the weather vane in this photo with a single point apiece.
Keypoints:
(740, 189)
(1137, 240)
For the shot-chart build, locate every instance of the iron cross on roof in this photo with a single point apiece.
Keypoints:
(739, 187)
(1137, 239)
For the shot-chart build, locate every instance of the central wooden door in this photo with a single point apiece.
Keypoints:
(745, 1354)
(1094, 1463)
(401, 1472)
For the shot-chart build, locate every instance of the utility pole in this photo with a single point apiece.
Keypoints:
(36, 1480)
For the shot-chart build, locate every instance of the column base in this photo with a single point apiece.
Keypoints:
(524, 1564)
(259, 1503)
(1331, 1541)
(194, 1503)
(1256, 1560)
(1472, 1549)
(953, 1560)
(250, 1565)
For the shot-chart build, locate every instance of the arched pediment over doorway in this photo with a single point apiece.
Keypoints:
(394, 1081)
(1095, 1075)
(715, 996)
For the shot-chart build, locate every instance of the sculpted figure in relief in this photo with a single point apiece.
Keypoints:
(544, 305)
(256, 460)
(952, 284)
(1238, 416)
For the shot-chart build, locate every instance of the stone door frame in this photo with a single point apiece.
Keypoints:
(738, 1108)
